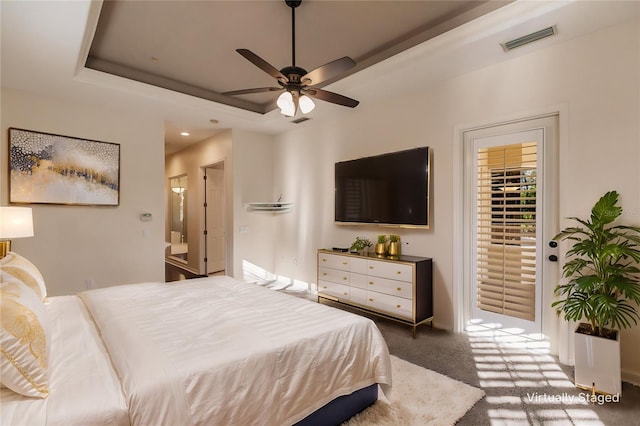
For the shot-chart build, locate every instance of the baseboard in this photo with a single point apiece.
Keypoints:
(631, 377)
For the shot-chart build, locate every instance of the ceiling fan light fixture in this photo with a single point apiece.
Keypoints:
(306, 104)
(286, 104)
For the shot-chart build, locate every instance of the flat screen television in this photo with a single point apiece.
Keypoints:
(387, 189)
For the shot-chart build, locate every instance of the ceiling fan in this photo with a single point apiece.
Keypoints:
(297, 83)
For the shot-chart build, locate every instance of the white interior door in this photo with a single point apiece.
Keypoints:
(510, 220)
(215, 221)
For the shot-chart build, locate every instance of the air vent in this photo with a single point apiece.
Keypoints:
(529, 38)
(300, 120)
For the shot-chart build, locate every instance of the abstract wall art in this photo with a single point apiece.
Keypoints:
(52, 169)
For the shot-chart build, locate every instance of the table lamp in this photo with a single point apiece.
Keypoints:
(15, 222)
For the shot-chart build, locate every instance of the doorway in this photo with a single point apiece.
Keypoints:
(510, 217)
(214, 219)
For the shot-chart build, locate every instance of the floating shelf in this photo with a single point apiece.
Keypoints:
(270, 207)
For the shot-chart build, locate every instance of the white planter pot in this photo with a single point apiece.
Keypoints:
(597, 363)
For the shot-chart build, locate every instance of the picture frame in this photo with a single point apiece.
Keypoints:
(45, 168)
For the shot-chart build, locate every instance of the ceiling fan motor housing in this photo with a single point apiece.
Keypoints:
(294, 74)
(293, 3)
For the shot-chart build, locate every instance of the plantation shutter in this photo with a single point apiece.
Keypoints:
(505, 228)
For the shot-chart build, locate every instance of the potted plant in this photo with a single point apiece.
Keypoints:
(394, 245)
(360, 244)
(381, 246)
(602, 287)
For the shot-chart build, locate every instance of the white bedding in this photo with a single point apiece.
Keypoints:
(219, 351)
(84, 389)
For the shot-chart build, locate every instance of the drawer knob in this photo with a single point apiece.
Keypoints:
(399, 272)
(346, 294)
(324, 273)
(324, 260)
(344, 278)
(399, 288)
(397, 306)
(324, 286)
(344, 263)
(370, 300)
(371, 282)
(370, 267)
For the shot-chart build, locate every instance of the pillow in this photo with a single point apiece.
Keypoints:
(23, 340)
(19, 268)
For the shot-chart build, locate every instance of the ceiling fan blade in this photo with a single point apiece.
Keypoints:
(262, 64)
(335, 98)
(250, 91)
(329, 70)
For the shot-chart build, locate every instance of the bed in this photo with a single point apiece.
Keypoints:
(205, 351)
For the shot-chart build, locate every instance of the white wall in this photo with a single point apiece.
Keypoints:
(253, 232)
(593, 80)
(76, 246)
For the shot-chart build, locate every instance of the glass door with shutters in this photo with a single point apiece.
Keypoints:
(506, 229)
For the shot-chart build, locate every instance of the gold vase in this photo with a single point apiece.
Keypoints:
(394, 249)
(381, 249)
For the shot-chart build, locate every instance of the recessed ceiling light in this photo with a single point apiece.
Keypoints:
(185, 133)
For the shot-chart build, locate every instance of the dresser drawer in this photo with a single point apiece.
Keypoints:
(358, 280)
(358, 295)
(391, 287)
(392, 305)
(333, 261)
(394, 271)
(333, 275)
(358, 266)
(334, 289)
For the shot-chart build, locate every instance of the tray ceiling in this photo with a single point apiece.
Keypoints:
(190, 46)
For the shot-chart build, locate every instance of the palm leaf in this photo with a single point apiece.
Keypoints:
(606, 209)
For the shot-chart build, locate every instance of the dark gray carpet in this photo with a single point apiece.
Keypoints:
(522, 385)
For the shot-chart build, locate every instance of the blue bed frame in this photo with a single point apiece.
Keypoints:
(342, 408)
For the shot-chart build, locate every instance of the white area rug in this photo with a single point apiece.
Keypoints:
(419, 397)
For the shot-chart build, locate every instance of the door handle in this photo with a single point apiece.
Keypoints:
(553, 258)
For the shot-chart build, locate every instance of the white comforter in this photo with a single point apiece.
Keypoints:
(217, 351)
(83, 388)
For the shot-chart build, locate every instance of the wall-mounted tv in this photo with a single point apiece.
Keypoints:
(387, 189)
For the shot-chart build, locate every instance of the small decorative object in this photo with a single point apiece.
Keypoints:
(381, 246)
(54, 169)
(360, 245)
(394, 245)
(603, 290)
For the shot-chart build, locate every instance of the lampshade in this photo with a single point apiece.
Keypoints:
(306, 104)
(15, 222)
(286, 104)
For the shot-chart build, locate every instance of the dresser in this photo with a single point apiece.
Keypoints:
(399, 289)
